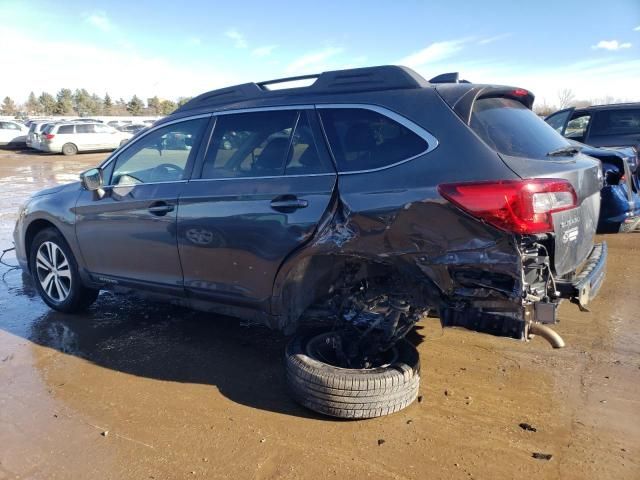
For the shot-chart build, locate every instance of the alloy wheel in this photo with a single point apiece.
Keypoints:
(53, 271)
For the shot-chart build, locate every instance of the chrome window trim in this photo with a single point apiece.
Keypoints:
(432, 142)
(119, 150)
(264, 109)
(129, 185)
(333, 174)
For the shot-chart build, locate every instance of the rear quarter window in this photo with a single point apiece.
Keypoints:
(362, 139)
(510, 128)
(65, 129)
(616, 122)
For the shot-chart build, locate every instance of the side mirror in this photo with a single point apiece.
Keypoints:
(92, 179)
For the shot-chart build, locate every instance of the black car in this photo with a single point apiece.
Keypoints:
(353, 207)
(614, 125)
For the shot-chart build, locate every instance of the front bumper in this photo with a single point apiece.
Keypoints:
(585, 286)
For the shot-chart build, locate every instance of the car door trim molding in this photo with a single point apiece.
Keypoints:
(333, 174)
(432, 142)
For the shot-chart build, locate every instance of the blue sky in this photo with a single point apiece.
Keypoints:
(185, 48)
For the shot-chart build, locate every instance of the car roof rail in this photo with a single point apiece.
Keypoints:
(387, 77)
(452, 77)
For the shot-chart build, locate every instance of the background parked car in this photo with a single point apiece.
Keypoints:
(12, 133)
(131, 128)
(70, 138)
(35, 132)
(616, 125)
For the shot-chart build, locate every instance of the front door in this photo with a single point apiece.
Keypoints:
(264, 186)
(128, 233)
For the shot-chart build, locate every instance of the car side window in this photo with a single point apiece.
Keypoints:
(62, 129)
(303, 157)
(84, 128)
(98, 128)
(361, 139)
(252, 144)
(557, 120)
(160, 156)
(577, 126)
(619, 121)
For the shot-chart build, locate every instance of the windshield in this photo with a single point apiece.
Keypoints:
(510, 128)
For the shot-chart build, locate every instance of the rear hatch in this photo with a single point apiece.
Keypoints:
(502, 118)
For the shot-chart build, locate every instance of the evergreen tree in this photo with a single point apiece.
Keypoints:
(8, 107)
(47, 103)
(154, 105)
(135, 105)
(167, 107)
(64, 102)
(107, 104)
(32, 106)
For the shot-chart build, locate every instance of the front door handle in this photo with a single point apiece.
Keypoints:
(160, 209)
(287, 203)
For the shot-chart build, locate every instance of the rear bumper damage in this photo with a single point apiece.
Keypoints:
(530, 316)
(585, 286)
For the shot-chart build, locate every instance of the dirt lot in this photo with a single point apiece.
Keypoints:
(141, 390)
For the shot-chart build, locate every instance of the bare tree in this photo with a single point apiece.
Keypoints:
(565, 98)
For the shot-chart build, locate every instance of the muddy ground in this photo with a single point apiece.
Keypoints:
(139, 390)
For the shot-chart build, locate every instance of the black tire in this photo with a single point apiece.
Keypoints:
(69, 149)
(78, 296)
(352, 393)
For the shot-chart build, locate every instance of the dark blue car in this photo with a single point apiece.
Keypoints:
(610, 133)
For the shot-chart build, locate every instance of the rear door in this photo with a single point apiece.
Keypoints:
(264, 185)
(524, 142)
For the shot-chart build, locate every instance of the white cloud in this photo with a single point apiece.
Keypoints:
(100, 21)
(237, 37)
(637, 29)
(611, 45)
(435, 52)
(264, 51)
(120, 72)
(313, 62)
(488, 40)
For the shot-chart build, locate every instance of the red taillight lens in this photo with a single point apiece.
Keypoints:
(519, 206)
(520, 92)
(48, 136)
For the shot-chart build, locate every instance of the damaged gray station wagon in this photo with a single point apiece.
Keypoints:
(353, 206)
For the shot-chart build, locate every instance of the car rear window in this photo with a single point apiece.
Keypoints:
(510, 128)
(362, 139)
(65, 129)
(616, 122)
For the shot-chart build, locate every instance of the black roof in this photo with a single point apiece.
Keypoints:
(388, 77)
(610, 106)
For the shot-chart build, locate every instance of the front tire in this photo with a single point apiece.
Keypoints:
(55, 273)
(69, 149)
(352, 393)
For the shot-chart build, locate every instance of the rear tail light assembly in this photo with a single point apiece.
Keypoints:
(518, 206)
(49, 136)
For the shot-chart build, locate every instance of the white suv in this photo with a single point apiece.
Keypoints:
(12, 133)
(73, 137)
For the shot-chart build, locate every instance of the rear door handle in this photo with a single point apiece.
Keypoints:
(160, 209)
(288, 203)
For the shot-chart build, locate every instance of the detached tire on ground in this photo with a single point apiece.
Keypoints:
(352, 393)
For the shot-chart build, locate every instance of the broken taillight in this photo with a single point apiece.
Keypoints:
(518, 206)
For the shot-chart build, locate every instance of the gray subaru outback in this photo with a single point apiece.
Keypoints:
(345, 211)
